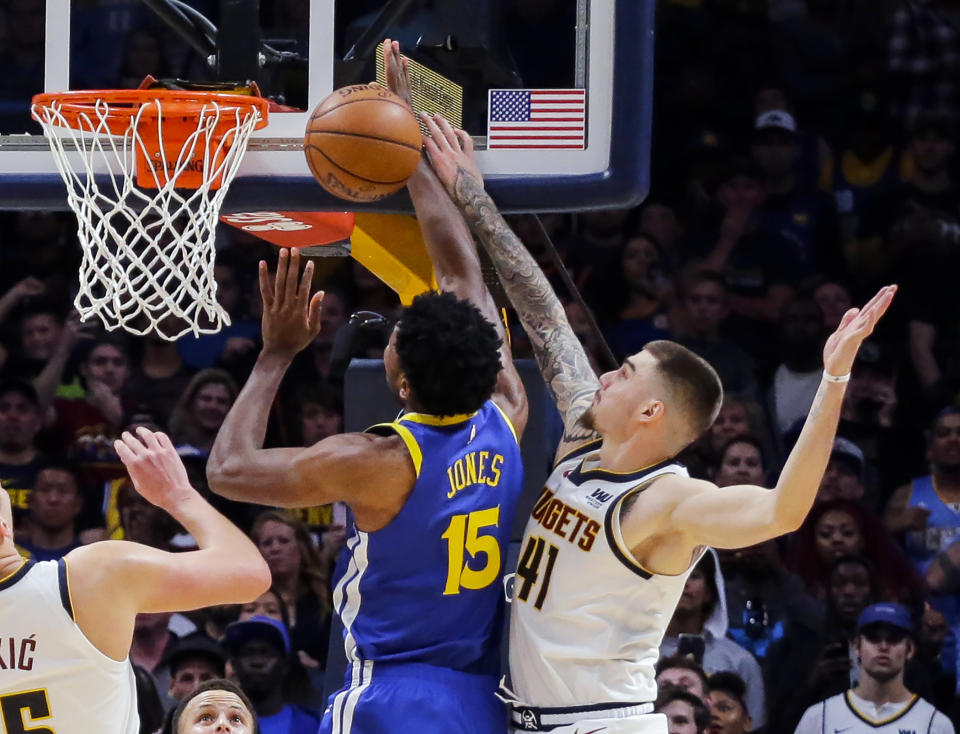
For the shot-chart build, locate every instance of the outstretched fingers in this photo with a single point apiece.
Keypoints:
(280, 279)
(433, 132)
(292, 281)
(315, 311)
(876, 307)
(434, 142)
(123, 450)
(128, 447)
(881, 298)
(848, 318)
(164, 440)
(148, 437)
(397, 71)
(448, 132)
(440, 132)
(266, 287)
(306, 282)
(465, 140)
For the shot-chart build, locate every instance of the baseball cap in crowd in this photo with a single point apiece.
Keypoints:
(270, 630)
(847, 449)
(775, 120)
(195, 645)
(886, 612)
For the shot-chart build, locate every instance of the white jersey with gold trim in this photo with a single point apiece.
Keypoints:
(846, 712)
(52, 678)
(586, 620)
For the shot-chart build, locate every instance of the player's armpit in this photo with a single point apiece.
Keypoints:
(723, 517)
(346, 467)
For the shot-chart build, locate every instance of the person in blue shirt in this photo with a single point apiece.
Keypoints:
(420, 590)
(260, 653)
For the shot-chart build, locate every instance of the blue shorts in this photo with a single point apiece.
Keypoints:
(413, 698)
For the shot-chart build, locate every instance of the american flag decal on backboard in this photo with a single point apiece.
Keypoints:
(537, 119)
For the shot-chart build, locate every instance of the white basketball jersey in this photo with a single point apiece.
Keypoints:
(52, 678)
(586, 620)
(844, 713)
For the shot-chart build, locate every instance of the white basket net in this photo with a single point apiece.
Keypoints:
(148, 254)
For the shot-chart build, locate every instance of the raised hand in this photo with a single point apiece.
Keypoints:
(75, 330)
(450, 152)
(29, 286)
(291, 317)
(855, 326)
(735, 222)
(106, 401)
(397, 71)
(154, 466)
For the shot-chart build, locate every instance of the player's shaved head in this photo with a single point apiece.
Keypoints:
(693, 385)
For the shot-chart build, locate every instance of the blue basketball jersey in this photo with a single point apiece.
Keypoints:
(942, 528)
(427, 588)
(941, 531)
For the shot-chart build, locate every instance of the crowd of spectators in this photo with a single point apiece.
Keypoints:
(803, 157)
(804, 154)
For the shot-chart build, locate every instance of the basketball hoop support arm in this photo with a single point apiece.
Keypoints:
(238, 41)
(183, 26)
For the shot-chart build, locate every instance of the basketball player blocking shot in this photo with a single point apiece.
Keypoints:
(620, 524)
(66, 626)
(433, 493)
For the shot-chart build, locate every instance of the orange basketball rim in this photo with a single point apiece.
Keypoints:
(180, 133)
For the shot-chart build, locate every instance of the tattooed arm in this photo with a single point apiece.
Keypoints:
(563, 361)
(450, 247)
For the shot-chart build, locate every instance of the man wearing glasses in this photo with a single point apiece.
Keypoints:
(880, 701)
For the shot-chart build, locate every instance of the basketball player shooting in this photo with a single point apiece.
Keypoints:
(433, 493)
(619, 525)
(67, 625)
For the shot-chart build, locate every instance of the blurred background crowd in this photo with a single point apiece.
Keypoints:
(804, 154)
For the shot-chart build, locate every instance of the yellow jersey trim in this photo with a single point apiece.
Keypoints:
(583, 448)
(878, 722)
(507, 420)
(861, 174)
(416, 455)
(599, 472)
(66, 576)
(436, 420)
(14, 573)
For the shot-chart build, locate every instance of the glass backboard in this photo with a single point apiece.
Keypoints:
(598, 51)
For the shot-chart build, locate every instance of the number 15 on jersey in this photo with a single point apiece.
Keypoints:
(463, 535)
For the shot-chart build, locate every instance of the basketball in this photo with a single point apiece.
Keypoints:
(362, 143)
